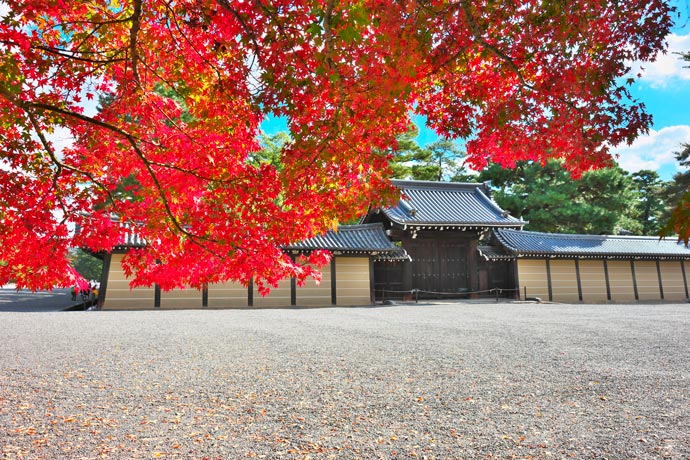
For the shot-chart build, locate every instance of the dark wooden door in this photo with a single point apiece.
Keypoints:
(424, 255)
(452, 266)
(439, 266)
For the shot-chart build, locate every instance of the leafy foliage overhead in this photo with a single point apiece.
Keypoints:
(186, 84)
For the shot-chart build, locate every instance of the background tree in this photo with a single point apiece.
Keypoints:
(651, 200)
(678, 198)
(406, 154)
(441, 160)
(676, 217)
(189, 83)
(552, 201)
(272, 146)
(87, 265)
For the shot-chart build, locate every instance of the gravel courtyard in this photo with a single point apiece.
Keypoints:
(467, 381)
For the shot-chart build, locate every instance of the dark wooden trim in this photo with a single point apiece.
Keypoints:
(685, 278)
(634, 278)
(579, 280)
(157, 296)
(204, 296)
(293, 291)
(608, 282)
(293, 287)
(107, 259)
(334, 284)
(250, 292)
(516, 274)
(661, 283)
(548, 279)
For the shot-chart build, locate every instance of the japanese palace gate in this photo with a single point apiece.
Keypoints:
(444, 240)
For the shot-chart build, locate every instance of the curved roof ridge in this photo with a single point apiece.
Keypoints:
(456, 204)
(586, 236)
(352, 227)
(573, 245)
(495, 205)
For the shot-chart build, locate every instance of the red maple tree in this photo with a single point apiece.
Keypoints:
(184, 86)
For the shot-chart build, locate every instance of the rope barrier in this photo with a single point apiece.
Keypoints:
(415, 292)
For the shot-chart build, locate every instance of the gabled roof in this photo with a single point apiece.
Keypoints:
(536, 244)
(364, 238)
(352, 239)
(447, 204)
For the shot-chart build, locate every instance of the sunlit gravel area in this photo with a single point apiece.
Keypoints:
(449, 381)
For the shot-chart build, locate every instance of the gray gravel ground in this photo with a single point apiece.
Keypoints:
(429, 381)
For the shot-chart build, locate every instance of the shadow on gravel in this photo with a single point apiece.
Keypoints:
(13, 300)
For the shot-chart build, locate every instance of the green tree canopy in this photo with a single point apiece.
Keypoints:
(87, 265)
(650, 203)
(601, 202)
(441, 160)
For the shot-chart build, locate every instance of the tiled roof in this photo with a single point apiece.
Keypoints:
(494, 253)
(365, 238)
(450, 204)
(397, 255)
(536, 244)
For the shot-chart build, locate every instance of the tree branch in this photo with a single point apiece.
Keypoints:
(133, 32)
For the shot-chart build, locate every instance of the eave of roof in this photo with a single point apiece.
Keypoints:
(363, 238)
(494, 253)
(526, 244)
(427, 204)
(366, 239)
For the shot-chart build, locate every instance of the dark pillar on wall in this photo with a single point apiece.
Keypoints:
(250, 292)
(548, 279)
(103, 288)
(334, 285)
(634, 278)
(661, 283)
(608, 282)
(516, 274)
(293, 287)
(293, 291)
(685, 278)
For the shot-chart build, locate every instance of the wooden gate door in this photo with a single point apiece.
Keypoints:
(452, 267)
(424, 256)
(439, 265)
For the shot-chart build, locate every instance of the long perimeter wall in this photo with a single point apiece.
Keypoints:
(598, 281)
(346, 282)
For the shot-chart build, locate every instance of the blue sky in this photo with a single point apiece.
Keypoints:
(664, 89)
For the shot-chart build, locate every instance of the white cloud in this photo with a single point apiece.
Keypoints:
(668, 68)
(655, 150)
